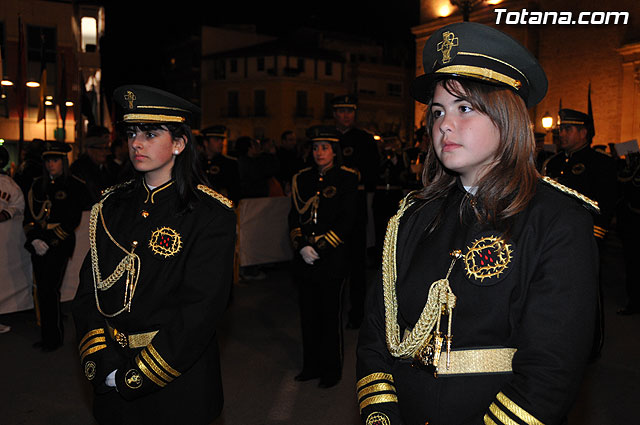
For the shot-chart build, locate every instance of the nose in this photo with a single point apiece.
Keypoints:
(135, 142)
(446, 124)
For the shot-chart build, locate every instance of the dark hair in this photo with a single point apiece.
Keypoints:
(509, 184)
(285, 134)
(186, 171)
(243, 143)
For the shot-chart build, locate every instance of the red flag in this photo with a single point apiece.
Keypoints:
(43, 80)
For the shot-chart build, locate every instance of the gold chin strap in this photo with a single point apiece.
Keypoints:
(129, 264)
(422, 343)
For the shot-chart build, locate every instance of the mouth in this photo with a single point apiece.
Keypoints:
(138, 157)
(450, 146)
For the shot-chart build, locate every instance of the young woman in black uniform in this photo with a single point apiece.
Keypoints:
(157, 278)
(485, 309)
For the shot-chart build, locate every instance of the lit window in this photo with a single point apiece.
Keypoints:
(89, 34)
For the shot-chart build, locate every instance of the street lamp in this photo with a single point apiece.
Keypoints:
(547, 121)
(466, 6)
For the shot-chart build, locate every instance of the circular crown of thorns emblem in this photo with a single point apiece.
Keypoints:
(165, 242)
(378, 418)
(487, 257)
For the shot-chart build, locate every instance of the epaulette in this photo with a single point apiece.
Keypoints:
(115, 187)
(589, 203)
(215, 195)
(345, 168)
(304, 170)
(78, 178)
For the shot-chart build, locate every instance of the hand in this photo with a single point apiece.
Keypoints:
(40, 246)
(309, 255)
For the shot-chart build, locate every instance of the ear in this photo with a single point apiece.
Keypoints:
(179, 144)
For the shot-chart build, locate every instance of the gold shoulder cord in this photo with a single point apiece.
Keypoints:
(45, 210)
(440, 301)
(129, 264)
(312, 202)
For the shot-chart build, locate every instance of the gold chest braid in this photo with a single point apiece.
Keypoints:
(130, 264)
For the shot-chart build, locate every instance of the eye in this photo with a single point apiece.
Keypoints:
(465, 108)
(131, 134)
(437, 113)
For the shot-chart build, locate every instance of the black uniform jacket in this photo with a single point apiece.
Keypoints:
(222, 173)
(591, 173)
(54, 212)
(328, 226)
(360, 152)
(163, 347)
(537, 296)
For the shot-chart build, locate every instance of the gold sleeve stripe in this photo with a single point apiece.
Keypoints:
(336, 236)
(377, 399)
(91, 342)
(501, 416)
(91, 351)
(215, 195)
(149, 374)
(517, 410)
(155, 367)
(378, 376)
(90, 334)
(375, 388)
(158, 358)
(488, 420)
(331, 240)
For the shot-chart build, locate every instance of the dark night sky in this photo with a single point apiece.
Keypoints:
(135, 38)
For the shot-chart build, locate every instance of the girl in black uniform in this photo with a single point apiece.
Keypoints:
(321, 220)
(157, 277)
(54, 211)
(486, 305)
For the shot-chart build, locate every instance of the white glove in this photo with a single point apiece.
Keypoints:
(40, 246)
(309, 255)
(110, 380)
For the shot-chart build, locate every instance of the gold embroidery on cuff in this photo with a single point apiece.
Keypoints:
(91, 342)
(89, 335)
(158, 358)
(377, 399)
(149, 374)
(383, 386)
(378, 376)
(155, 367)
(517, 410)
(91, 351)
(488, 420)
(502, 417)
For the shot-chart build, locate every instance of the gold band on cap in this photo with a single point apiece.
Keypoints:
(168, 108)
(561, 121)
(54, 153)
(345, 105)
(325, 139)
(494, 59)
(152, 118)
(482, 73)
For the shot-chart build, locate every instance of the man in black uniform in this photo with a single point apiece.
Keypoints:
(359, 152)
(589, 172)
(221, 169)
(321, 221)
(55, 203)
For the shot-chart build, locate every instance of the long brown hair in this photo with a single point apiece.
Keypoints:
(509, 183)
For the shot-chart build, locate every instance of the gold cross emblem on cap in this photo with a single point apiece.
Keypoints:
(449, 41)
(130, 97)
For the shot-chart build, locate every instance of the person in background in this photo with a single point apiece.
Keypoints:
(480, 315)
(321, 221)
(220, 169)
(11, 202)
(30, 166)
(289, 158)
(92, 166)
(55, 203)
(359, 152)
(257, 164)
(158, 275)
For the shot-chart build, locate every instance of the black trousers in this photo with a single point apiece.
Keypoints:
(48, 274)
(320, 317)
